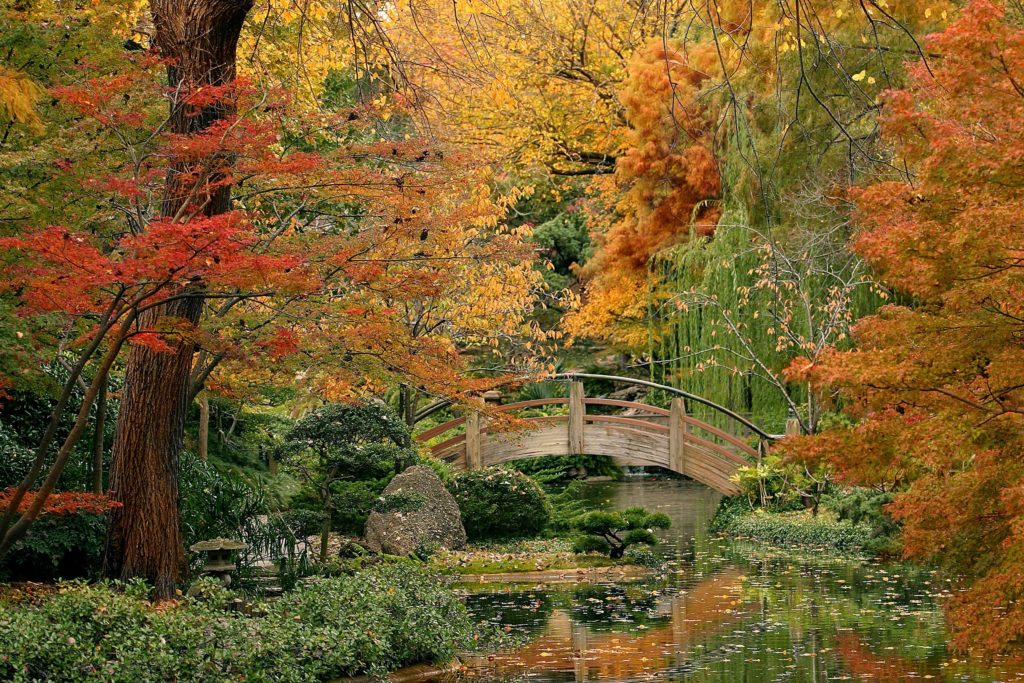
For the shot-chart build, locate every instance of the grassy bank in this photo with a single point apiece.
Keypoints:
(794, 529)
(528, 556)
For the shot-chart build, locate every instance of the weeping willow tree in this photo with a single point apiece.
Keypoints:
(729, 312)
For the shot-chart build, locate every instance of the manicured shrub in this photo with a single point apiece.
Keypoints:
(613, 532)
(373, 622)
(867, 506)
(500, 503)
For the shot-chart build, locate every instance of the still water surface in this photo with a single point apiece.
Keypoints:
(726, 611)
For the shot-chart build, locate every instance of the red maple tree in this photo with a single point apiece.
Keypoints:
(937, 382)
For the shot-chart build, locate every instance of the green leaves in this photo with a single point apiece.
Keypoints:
(338, 440)
(500, 503)
(376, 621)
(613, 532)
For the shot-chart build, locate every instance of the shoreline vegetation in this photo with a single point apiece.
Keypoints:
(826, 531)
(529, 556)
(398, 617)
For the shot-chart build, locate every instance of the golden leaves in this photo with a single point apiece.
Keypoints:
(18, 97)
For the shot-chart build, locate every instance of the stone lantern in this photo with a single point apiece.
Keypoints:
(219, 561)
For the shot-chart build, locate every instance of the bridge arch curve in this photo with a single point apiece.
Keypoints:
(647, 435)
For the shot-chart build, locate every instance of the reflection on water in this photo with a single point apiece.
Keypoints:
(726, 612)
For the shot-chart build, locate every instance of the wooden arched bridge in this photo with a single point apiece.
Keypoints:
(644, 435)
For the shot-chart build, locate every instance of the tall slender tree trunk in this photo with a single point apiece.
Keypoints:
(203, 440)
(199, 38)
(98, 445)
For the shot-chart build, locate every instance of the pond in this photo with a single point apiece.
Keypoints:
(725, 611)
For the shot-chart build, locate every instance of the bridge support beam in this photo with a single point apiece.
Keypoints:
(577, 418)
(677, 435)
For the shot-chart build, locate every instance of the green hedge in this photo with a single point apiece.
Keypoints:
(800, 530)
(373, 622)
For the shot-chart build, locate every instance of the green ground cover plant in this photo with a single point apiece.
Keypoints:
(800, 529)
(373, 622)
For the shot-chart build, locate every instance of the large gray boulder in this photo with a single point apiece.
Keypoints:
(416, 511)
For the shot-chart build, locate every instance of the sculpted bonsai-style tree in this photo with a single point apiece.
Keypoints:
(339, 442)
(613, 532)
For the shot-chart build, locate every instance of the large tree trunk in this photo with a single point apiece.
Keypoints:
(199, 38)
(145, 533)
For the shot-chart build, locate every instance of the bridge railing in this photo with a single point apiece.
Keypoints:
(672, 433)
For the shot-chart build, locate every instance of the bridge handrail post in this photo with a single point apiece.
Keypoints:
(677, 430)
(474, 459)
(474, 445)
(577, 418)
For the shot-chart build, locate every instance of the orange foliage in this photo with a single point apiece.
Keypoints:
(665, 184)
(938, 385)
(349, 260)
(64, 503)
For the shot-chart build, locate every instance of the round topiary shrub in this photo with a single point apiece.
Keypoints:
(500, 503)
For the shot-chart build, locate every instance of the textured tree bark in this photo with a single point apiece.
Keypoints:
(144, 538)
(199, 38)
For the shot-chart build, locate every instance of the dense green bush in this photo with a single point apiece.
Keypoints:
(800, 529)
(58, 546)
(15, 458)
(867, 507)
(24, 416)
(376, 621)
(500, 503)
(729, 509)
